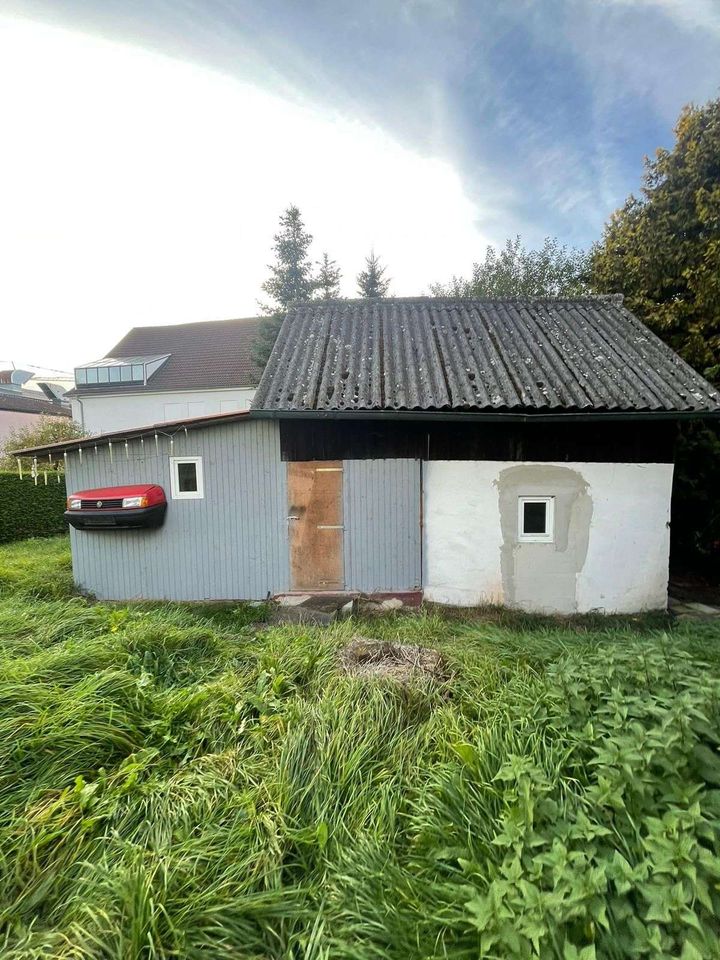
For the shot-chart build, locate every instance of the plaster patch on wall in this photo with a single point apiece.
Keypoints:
(544, 576)
(461, 532)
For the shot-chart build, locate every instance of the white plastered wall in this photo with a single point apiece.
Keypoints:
(623, 569)
(122, 411)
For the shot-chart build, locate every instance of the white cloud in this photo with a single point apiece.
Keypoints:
(137, 189)
(690, 14)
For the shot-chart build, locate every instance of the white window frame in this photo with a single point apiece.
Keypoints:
(175, 491)
(549, 535)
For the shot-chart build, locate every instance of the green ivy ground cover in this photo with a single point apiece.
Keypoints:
(181, 782)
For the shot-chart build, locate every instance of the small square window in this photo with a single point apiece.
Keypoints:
(536, 517)
(80, 375)
(186, 478)
(103, 375)
(92, 375)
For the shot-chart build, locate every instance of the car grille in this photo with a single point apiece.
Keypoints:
(109, 504)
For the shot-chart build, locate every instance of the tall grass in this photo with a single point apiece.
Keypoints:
(181, 782)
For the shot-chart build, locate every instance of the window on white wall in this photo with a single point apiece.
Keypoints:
(536, 519)
(186, 478)
(196, 408)
(230, 406)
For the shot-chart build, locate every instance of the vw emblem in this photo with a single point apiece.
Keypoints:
(99, 503)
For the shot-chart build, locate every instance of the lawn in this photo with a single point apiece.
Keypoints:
(186, 782)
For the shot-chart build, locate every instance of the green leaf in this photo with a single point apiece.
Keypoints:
(467, 753)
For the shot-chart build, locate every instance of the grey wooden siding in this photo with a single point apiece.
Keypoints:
(230, 545)
(382, 524)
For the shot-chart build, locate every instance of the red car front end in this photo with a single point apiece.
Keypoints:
(136, 505)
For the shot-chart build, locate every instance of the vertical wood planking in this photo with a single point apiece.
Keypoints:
(382, 525)
(230, 545)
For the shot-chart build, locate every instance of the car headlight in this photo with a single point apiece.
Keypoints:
(134, 502)
(74, 503)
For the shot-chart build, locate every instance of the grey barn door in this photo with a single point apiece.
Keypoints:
(382, 519)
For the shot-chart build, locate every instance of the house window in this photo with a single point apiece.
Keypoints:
(536, 519)
(186, 478)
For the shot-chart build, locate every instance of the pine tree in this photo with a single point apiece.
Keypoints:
(328, 278)
(290, 281)
(372, 283)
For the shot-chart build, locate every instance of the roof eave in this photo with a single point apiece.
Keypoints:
(196, 423)
(507, 416)
(120, 436)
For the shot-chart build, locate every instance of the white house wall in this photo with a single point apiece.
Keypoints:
(120, 411)
(612, 535)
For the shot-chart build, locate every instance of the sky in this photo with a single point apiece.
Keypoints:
(149, 146)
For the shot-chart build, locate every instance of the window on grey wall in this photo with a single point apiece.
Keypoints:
(536, 518)
(186, 478)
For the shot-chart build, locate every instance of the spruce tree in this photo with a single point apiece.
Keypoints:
(291, 279)
(327, 283)
(372, 283)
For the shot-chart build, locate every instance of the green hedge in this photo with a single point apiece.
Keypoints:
(27, 510)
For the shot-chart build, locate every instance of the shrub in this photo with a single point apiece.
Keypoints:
(27, 510)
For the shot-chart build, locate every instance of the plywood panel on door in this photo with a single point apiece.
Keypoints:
(315, 519)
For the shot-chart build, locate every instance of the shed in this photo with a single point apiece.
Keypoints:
(481, 451)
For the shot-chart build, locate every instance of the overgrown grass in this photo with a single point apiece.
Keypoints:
(180, 782)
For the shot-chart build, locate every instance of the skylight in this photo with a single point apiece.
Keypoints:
(119, 370)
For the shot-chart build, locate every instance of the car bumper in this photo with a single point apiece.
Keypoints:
(139, 518)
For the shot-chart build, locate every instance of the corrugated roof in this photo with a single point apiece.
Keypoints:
(203, 356)
(427, 353)
(22, 403)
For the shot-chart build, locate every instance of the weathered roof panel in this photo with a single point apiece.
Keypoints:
(428, 353)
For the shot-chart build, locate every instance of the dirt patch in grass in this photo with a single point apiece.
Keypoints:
(365, 657)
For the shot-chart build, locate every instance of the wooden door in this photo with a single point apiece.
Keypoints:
(315, 521)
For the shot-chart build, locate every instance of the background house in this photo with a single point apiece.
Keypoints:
(157, 374)
(22, 405)
(482, 451)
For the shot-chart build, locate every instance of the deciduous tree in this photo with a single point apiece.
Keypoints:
(554, 270)
(662, 251)
(45, 430)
